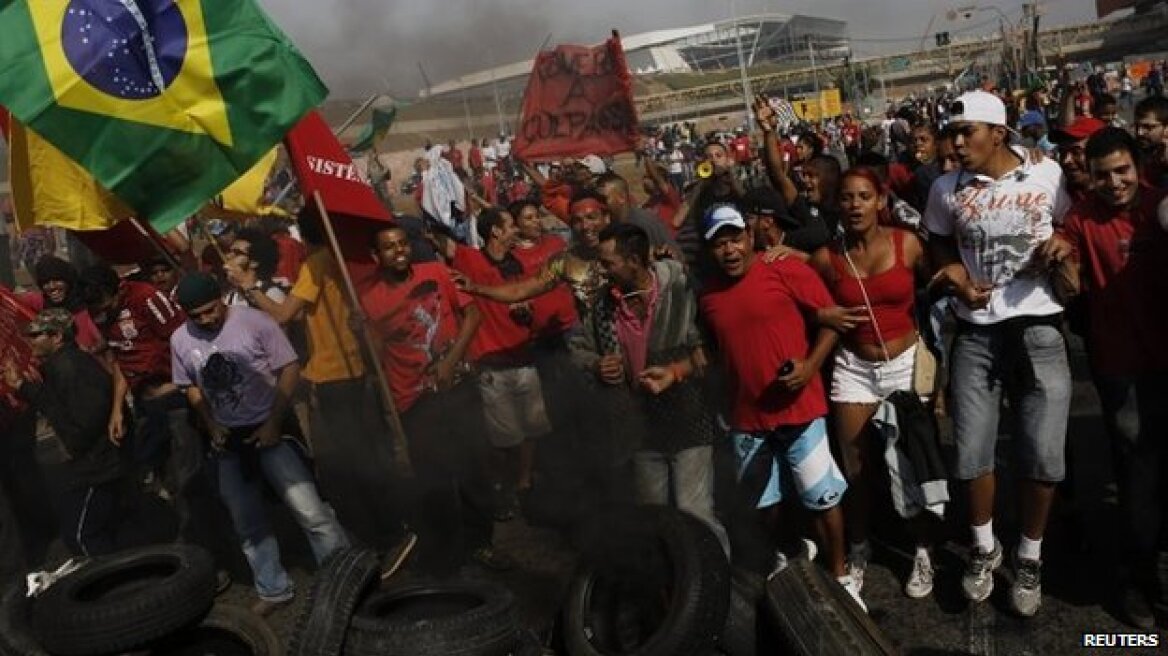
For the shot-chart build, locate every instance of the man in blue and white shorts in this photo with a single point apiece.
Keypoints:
(757, 313)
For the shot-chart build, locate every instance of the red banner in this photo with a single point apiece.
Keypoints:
(13, 318)
(579, 101)
(4, 116)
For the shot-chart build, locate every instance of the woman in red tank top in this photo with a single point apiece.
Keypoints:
(872, 271)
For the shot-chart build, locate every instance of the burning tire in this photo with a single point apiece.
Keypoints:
(654, 582)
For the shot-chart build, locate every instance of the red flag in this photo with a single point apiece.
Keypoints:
(127, 242)
(322, 165)
(579, 101)
(4, 116)
(13, 346)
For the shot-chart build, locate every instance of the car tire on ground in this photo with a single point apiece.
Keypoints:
(435, 619)
(15, 637)
(226, 631)
(652, 582)
(118, 602)
(345, 578)
(815, 616)
(740, 632)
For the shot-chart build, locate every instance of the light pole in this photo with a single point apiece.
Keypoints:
(746, 94)
(1010, 59)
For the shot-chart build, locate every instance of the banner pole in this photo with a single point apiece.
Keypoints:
(400, 447)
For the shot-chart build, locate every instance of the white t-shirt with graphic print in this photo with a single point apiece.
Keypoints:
(998, 224)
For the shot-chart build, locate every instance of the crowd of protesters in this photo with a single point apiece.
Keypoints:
(768, 319)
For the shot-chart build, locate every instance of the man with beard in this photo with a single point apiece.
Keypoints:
(1121, 263)
(240, 373)
(645, 344)
(1071, 142)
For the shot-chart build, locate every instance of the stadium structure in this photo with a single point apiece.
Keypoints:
(781, 39)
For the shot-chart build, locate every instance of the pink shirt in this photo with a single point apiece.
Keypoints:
(633, 333)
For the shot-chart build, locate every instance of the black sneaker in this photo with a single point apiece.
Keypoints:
(1026, 591)
(978, 581)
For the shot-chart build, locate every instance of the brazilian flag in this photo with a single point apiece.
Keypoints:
(164, 102)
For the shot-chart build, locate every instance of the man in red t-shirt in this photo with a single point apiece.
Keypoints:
(553, 313)
(425, 326)
(509, 382)
(1121, 253)
(757, 312)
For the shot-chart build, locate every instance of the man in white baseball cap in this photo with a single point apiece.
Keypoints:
(991, 226)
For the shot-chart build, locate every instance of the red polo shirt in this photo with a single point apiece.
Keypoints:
(139, 334)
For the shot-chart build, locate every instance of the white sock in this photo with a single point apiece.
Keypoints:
(923, 552)
(1029, 549)
(983, 537)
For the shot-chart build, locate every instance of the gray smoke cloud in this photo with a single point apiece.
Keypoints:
(361, 47)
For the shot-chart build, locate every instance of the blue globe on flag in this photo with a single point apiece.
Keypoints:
(130, 49)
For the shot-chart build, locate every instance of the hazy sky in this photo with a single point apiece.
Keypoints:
(367, 46)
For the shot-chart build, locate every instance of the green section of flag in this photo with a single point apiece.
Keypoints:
(375, 131)
(258, 84)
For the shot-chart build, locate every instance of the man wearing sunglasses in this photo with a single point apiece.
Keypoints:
(74, 394)
(991, 224)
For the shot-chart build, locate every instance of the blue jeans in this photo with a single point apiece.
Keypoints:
(288, 476)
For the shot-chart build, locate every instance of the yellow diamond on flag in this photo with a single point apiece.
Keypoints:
(146, 61)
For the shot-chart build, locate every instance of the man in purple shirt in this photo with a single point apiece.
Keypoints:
(240, 372)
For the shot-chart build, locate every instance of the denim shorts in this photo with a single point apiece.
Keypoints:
(1040, 411)
(804, 455)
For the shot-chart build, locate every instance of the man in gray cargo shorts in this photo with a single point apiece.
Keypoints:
(991, 226)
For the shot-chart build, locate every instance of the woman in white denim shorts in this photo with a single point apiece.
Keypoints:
(872, 272)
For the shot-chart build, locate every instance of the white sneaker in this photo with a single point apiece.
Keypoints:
(810, 549)
(780, 564)
(854, 590)
(858, 557)
(920, 580)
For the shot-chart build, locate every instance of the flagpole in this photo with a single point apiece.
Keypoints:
(154, 237)
(400, 447)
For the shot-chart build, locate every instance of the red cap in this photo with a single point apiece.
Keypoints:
(1082, 128)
